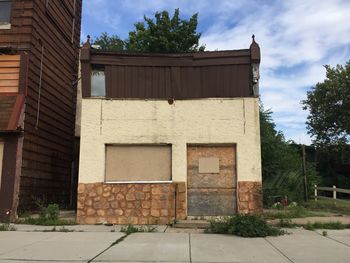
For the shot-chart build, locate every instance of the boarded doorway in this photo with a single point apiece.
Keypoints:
(211, 180)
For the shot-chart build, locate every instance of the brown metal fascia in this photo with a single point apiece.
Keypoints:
(204, 54)
(168, 62)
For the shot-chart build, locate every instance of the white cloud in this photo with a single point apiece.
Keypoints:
(297, 38)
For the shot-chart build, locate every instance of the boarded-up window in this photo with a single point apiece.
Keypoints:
(9, 73)
(138, 163)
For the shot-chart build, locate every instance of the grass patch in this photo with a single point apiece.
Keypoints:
(7, 227)
(326, 225)
(134, 229)
(244, 226)
(287, 213)
(286, 223)
(330, 206)
(61, 229)
(46, 221)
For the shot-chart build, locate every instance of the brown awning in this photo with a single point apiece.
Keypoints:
(10, 111)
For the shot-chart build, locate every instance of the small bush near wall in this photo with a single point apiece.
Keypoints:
(48, 216)
(244, 225)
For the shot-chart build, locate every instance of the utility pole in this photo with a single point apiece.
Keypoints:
(304, 173)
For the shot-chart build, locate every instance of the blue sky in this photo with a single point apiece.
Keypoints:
(296, 37)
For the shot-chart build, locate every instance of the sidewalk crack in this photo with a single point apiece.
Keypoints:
(111, 245)
(340, 242)
(280, 251)
(189, 247)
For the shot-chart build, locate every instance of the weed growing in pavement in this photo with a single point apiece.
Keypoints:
(243, 225)
(326, 225)
(134, 229)
(7, 227)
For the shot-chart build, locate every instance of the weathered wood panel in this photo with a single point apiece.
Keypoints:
(211, 193)
(50, 102)
(19, 36)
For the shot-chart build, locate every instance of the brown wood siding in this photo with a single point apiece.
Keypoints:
(19, 36)
(6, 107)
(48, 146)
(178, 82)
(216, 74)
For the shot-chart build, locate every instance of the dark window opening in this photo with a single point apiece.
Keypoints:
(5, 11)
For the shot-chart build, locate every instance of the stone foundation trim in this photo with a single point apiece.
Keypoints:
(131, 203)
(250, 197)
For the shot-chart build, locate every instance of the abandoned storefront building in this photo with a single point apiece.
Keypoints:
(39, 49)
(168, 136)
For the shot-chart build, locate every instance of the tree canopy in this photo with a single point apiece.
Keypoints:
(164, 35)
(109, 43)
(281, 162)
(329, 105)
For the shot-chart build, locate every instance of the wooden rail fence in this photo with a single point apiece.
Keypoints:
(333, 189)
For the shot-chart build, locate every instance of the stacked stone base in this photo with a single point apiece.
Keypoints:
(131, 203)
(250, 197)
(144, 204)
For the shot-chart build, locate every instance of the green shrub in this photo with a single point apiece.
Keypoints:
(48, 216)
(243, 225)
(52, 211)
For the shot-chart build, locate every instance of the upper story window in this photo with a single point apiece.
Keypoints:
(98, 83)
(5, 12)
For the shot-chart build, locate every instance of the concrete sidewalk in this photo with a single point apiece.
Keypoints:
(300, 246)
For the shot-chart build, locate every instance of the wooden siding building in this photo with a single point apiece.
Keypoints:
(39, 51)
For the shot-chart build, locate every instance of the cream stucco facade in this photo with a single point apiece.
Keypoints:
(195, 121)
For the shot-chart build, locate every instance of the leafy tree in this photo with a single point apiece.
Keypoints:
(329, 106)
(281, 163)
(165, 34)
(109, 43)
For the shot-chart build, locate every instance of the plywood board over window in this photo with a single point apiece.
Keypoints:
(138, 163)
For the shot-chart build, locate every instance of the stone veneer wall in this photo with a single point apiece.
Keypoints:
(250, 197)
(131, 203)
